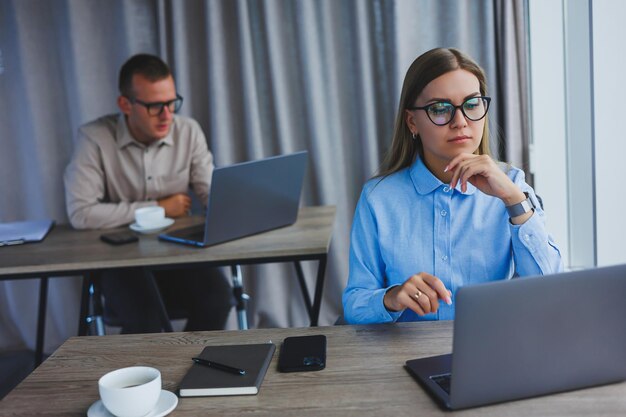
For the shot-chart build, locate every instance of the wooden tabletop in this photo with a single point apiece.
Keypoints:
(364, 376)
(66, 250)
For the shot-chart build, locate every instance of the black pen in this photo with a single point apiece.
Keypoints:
(219, 366)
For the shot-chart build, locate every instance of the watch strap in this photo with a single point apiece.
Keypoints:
(521, 208)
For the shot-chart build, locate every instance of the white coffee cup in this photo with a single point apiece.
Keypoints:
(130, 392)
(147, 217)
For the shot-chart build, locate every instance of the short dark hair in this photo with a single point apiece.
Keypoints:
(150, 66)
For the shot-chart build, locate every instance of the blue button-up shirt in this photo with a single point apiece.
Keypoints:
(411, 222)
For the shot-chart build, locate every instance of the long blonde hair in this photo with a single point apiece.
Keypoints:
(422, 71)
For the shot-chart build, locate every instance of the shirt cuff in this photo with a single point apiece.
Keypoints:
(387, 315)
(531, 234)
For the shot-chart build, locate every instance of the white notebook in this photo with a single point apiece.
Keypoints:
(17, 233)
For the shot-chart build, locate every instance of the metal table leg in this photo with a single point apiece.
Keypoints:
(303, 288)
(41, 320)
(319, 285)
(312, 309)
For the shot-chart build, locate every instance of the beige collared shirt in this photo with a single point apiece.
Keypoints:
(111, 174)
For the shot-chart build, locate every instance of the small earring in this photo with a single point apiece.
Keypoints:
(414, 136)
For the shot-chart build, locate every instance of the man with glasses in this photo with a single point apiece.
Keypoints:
(146, 156)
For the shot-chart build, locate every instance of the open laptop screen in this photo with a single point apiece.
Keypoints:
(532, 336)
(248, 198)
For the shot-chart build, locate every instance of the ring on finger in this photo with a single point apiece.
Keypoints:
(417, 295)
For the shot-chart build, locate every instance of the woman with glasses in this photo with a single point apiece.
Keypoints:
(442, 213)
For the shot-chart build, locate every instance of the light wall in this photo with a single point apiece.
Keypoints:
(548, 144)
(577, 152)
(609, 69)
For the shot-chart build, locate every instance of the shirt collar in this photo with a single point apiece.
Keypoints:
(124, 138)
(425, 182)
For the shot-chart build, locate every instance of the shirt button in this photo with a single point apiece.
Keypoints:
(444, 258)
(443, 213)
(446, 189)
(526, 238)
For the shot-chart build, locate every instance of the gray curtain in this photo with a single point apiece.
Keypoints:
(262, 78)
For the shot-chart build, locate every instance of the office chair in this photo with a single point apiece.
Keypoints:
(97, 315)
(100, 315)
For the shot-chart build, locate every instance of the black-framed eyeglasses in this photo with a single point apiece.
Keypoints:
(442, 112)
(156, 108)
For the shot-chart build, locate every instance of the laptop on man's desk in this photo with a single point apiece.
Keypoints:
(248, 198)
(531, 336)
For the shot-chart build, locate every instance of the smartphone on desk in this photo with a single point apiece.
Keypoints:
(302, 353)
(119, 238)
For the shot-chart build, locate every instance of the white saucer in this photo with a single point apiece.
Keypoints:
(167, 402)
(167, 222)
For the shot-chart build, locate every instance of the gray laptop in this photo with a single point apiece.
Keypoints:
(29, 231)
(531, 336)
(248, 198)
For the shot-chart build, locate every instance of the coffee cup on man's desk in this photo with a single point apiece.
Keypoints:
(148, 217)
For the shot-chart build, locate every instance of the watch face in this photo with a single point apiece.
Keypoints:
(521, 208)
(529, 201)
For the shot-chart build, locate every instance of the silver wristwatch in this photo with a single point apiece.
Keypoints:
(521, 208)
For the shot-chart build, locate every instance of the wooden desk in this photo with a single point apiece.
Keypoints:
(70, 252)
(364, 376)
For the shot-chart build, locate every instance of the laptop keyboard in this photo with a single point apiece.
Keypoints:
(443, 381)
(197, 236)
(195, 233)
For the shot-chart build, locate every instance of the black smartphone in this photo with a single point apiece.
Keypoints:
(302, 353)
(119, 238)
